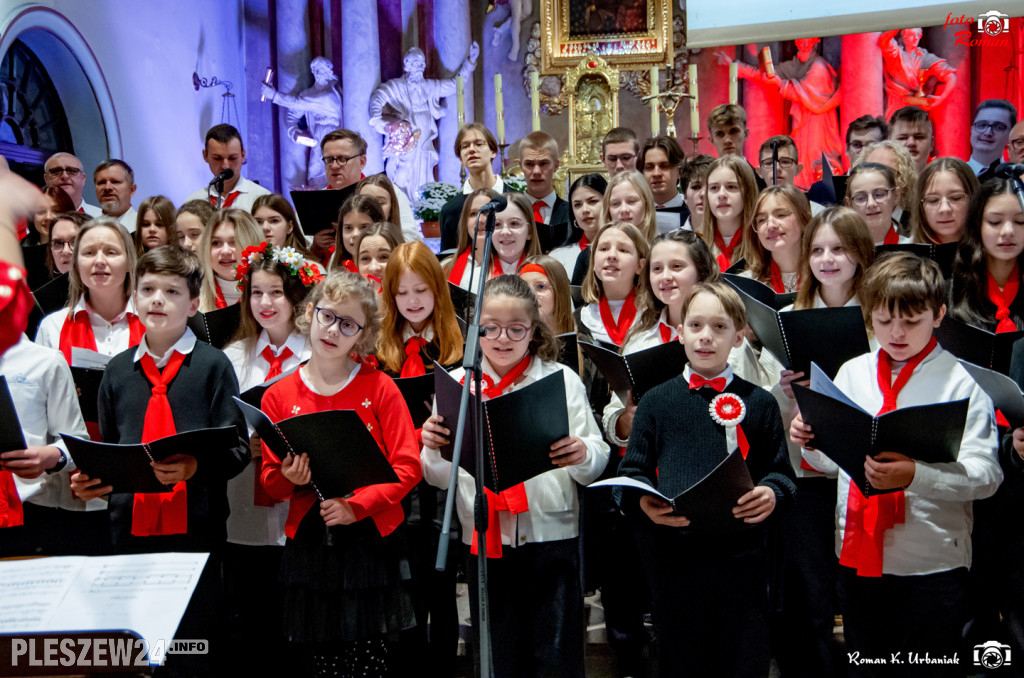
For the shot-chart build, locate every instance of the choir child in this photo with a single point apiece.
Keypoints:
(729, 198)
(551, 286)
(872, 193)
(613, 287)
(155, 225)
(773, 256)
(944, 191)
(585, 197)
(464, 267)
(355, 215)
(373, 249)
(280, 226)
(535, 591)
(190, 221)
(629, 199)
(63, 231)
(226, 234)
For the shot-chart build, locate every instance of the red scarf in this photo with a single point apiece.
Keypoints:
(161, 513)
(459, 269)
(776, 279)
(867, 518)
(227, 202)
(11, 512)
(219, 297)
(584, 241)
(536, 211)
(513, 499)
(260, 496)
(77, 332)
(892, 237)
(666, 333)
(725, 257)
(617, 330)
(497, 269)
(413, 365)
(275, 360)
(1002, 298)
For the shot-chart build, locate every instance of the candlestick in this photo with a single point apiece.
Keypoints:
(734, 85)
(535, 98)
(694, 107)
(460, 98)
(499, 108)
(655, 112)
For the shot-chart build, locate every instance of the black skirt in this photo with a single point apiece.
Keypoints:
(355, 588)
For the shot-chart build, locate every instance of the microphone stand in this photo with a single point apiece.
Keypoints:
(471, 363)
(1018, 188)
(775, 164)
(219, 185)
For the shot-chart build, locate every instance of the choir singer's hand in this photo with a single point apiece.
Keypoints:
(30, 462)
(800, 433)
(175, 468)
(660, 512)
(86, 488)
(756, 505)
(568, 451)
(624, 424)
(435, 435)
(1018, 442)
(786, 379)
(889, 471)
(337, 512)
(296, 469)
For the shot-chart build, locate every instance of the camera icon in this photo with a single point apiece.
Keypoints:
(992, 655)
(993, 22)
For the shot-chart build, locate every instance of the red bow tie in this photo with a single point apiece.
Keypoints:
(697, 381)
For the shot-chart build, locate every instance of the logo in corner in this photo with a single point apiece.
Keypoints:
(993, 23)
(992, 655)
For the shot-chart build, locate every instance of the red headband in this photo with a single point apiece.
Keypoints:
(533, 268)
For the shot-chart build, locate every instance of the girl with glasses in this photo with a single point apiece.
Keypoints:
(773, 255)
(346, 595)
(872, 193)
(535, 592)
(944, 190)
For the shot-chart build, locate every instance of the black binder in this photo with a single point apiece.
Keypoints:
(976, 345)
(11, 436)
(941, 254)
(1004, 392)
(758, 290)
(216, 328)
(638, 372)
(464, 302)
(87, 381)
(318, 210)
(519, 428)
(254, 396)
(568, 350)
(418, 393)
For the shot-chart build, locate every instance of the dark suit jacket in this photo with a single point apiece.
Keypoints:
(449, 221)
(558, 232)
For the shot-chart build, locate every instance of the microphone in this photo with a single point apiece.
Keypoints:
(1009, 170)
(774, 143)
(222, 177)
(498, 204)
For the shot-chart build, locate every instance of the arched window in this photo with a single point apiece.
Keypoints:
(33, 124)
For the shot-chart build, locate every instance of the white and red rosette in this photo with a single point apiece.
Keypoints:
(727, 409)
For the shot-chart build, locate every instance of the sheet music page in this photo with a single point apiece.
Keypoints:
(83, 357)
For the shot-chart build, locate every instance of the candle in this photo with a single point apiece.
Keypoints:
(734, 86)
(535, 98)
(499, 109)
(694, 115)
(460, 98)
(655, 117)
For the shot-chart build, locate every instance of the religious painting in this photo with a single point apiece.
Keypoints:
(629, 34)
(593, 88)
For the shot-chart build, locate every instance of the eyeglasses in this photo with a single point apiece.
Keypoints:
(59, 245)
(858, 145)
(784, 163)
(476, 143)
(997, 127)
(953, 199)
(510, 225)
(346, 326)
(625, 158)
(515, 332)
(878, 195)
(55, 172)
(1017, 144)
(339, 160)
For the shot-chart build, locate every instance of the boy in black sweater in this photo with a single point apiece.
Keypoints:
(171, 383)
(709, 587)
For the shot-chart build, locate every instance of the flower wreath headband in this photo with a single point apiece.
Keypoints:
(306, 271)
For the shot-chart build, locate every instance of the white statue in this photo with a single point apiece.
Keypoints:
(406, 110)
(320, 107)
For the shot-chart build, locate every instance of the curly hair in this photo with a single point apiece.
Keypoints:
(339, 287)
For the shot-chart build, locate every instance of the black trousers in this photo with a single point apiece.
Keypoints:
(897, 616)
(536, 610)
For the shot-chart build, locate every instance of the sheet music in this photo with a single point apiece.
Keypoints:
(83, 357)
(820, 383)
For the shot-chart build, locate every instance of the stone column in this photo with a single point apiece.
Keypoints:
(452, 38)
(360, 67)
(860, 77)
(292, 76)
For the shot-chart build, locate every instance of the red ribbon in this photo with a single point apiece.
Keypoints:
(161, 513)
(697, 381)
(219, 298)
(725, 257)
(497, 269)
(413, 365)
(584, 241)
(12, 513)
(617, 330)
(227, 202)
(776, 278)
(77, 332)
(1002, 298)
(533, 268)
(666, 333)
(537, 218)
(892, 237)
(867, 518)
(455, 277)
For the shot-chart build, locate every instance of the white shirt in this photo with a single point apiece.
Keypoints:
(409, 230)
(976, 166)
(91, 210)
(184, 345)
(229, 288)
(248, 191)
(591, 317)
(247, 523)
(46, 401)
(669, 221)
(549, 200)
(111, 337)
(498, 187)
(554, 505)
(129, 219)
(936, 535)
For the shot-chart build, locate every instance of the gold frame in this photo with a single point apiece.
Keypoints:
(627, 51)
(590, 65)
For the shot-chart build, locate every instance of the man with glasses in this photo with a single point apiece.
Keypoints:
(65, 171)
(477, 148)
(224, 150)
(788, 167)
(619, 149)
(990, 132)
(1017, 143)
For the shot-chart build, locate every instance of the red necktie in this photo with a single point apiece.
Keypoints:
(868, 518)
(455, 277)
(697, 381)
(1002, 298)
(514, 498)
(227, 201)
(584, 241)
(892, 237)
(617, 330)
(413, 365)
(275, 360)
(166, 512)
(725, 251)
(666, 333)
(77, 332)
(537, 218)
(82, 210)
(12, 513)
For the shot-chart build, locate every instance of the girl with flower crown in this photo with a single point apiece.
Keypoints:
(273, 283)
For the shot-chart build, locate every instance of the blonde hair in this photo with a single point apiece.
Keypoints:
(905, 170)
(852, 233)
(730, 299)
(748, 190)
(76, 287)
(752, 249)
(247, 234)
(593, 290)
(339, 287)
(561, 316)
(649, 225)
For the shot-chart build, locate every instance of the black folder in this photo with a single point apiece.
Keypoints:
(11, 437)
(519, 428)
(87, 381)
(845, 433)
(53, 296)
(638, 372)
(418, 393)
(127, 467)
(736, 268)
(826, 336)
(576, 292)
(343, 456)
(568, 350)
(216, 328)
(709, 502)
(941, 254)
(318, 210)
(463, 300)
(254, 396)
(976, 345)
(1004, 392)
(758, 290)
